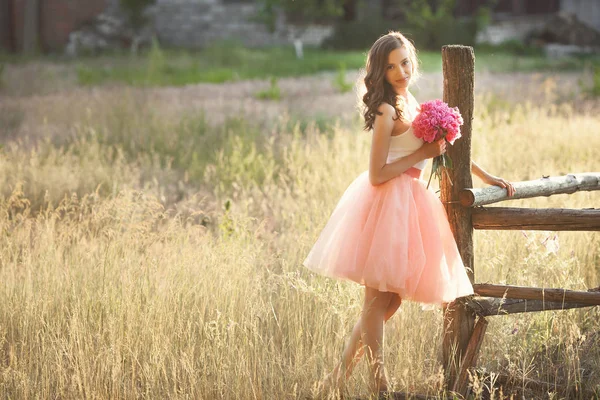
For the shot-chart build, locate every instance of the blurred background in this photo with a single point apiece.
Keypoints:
(165, 167)
(76, 27)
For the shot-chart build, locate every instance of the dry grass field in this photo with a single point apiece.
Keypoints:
(151, 240)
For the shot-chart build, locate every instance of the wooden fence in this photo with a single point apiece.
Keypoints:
(465, 319)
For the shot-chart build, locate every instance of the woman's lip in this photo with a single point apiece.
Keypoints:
(404, 79)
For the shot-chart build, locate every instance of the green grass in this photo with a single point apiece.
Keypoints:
(340, 80)
(226, 62)
(215, 65)
(232, 63)
(593, 88)
(501, 61)
(272, 93)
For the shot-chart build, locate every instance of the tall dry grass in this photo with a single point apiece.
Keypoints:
(162, 274)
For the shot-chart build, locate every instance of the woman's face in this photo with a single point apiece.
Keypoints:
(398, 69)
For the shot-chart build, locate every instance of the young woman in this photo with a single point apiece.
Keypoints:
(389, 232)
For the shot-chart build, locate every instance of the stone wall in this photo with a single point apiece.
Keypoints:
(197, 23)
(587, 11)
(513, 28)
(521, 26)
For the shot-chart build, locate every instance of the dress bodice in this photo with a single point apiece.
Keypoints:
(404, 144)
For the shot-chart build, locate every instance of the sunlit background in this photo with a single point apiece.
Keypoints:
(165, 166)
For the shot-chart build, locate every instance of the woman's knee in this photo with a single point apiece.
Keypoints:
(375, 299)
(395, 303)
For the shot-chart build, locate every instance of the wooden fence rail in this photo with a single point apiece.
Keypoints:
(546, 186)
(550, 219)
(486, 306)
(532, 293)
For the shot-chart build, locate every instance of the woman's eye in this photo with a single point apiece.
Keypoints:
(390, 66)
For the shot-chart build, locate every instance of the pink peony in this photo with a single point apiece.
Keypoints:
(435, 121)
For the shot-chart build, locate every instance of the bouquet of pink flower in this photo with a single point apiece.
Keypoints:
(435, 121)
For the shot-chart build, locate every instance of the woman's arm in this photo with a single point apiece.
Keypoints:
(491, 179)
(379, 170)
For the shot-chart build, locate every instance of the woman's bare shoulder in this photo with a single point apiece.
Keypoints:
(386, 109)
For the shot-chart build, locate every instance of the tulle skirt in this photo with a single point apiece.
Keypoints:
(394, 237)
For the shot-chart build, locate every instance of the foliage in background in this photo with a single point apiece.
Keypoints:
(135, 11)
(157, 63)
(340, 79)
(358, 34)
(592, 89)
(226, 62)
(218, 63)
(272, 93)
(433, 24)
(430, 24)
(513, 47)
(298, 12)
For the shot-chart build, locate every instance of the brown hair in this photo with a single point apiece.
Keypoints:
(378, 89)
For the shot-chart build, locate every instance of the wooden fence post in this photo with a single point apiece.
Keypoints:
(458, 68)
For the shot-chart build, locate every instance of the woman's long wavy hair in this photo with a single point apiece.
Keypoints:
(378, 90)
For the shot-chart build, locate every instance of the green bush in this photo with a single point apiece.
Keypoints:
(227, 53)
(157, 63)
(434, 25)
(445, 30)
(135, 10)
(340, 79)
(358, 35)
(513, 46)
(593, 89)
(272, 93)
(431, 24)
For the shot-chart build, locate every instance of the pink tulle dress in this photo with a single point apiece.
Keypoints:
(394, 237)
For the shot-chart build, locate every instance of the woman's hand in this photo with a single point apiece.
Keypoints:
(503, 183)
(433, 149)
(491, 179)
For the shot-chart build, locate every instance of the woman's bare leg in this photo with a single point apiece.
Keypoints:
(355, 341)
(354, 349)
(372, 317)
(393, 307)
(351, 354)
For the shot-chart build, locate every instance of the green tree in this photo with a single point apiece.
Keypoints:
(300, 12)
(433, 23)
(135, 11)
